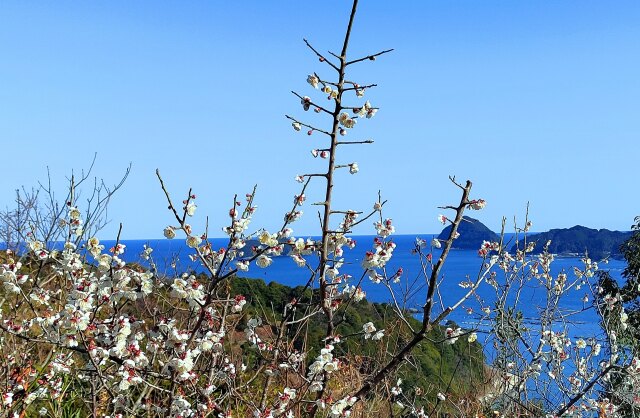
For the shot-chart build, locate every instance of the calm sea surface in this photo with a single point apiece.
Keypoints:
(461, 265)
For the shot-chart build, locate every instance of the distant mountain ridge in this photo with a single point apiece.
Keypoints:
(472, 233)
(577, 240)
(598, 243)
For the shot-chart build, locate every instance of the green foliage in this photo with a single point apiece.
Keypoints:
(630, 249)
(629, 294)
(434, 366)
(630, 290)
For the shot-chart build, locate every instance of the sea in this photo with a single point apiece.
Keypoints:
(171, 256)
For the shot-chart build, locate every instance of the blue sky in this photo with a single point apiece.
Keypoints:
(533, 101)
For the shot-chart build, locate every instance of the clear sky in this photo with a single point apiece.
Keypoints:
(534, 101)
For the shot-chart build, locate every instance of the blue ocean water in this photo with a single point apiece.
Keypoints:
(461, 265)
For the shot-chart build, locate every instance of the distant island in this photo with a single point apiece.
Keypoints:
(574, 241)
(472, 233)
(598, 243)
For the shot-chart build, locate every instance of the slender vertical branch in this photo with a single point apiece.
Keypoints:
(427, 325)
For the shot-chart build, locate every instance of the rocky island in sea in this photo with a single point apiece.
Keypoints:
(472, 233)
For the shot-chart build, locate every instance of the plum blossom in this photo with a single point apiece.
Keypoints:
(368, 329)
(146, 252)
(313, 80)
(346, 121)
(193, 241)
(242, 265)
(292, 216)
(397, 390)
(384, 229)
(359, 294)
(7, 399)
(240, 301)
(306, 102)
(263, 261)
(477, 204)
(378, 335)
(487, 247)
(191, 209)
(270, 240)
(338, 408)
(452, 335)
(299, 199)
(169, 232)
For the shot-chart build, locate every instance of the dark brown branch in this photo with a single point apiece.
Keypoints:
(366, 141)
(581, 394)
(322, 57)
(307, 125)
(370, 57)
(358, 87)
(317, 106)
(427, 325)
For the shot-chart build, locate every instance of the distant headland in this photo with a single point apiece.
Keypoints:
(578, 240)
(574, 241)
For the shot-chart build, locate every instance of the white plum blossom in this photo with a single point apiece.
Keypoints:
(477, 204)
(191, 209)
(146, 252)
(299, 260)
(74, 213)
(452, 335)
(378, 335)
(313, 80)
(263, 261)
(359, 294)
(169, 232)
(240, 301)
(346, 121)
(193, 241)
(397, 390)
(242, 265)
(384, 229)
(368, 329)
(293, 216)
